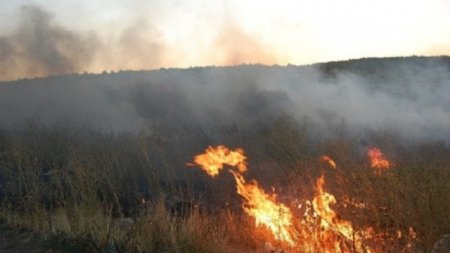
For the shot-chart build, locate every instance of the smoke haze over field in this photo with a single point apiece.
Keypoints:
(408, 96)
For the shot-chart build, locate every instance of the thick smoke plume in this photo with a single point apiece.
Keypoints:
(39, 46)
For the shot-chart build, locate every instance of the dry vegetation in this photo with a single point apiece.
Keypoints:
(134, 193)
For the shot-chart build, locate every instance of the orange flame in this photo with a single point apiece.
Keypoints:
(213, 159)
(257, 203)
(319, 229)
(321, 204)
(334, 235)
(377, 160)
(328, 160)
(265, 209)
(323, 231)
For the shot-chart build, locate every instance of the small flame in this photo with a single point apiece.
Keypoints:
(328, 160)
(214, 158)
(377, 160)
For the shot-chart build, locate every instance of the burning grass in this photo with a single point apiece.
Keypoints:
(135, 193)
(319, 229)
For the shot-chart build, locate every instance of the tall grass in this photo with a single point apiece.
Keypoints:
(134, 192)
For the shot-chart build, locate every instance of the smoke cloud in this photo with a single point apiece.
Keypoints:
(233, 45)
(408, 96)
(39, 46)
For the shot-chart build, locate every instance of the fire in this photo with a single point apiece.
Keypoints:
(317, 228)
(328, 233)
(321, 205)
(263, 207)
(321, 230)
(213, 159)
(377, 160)
(328, 160)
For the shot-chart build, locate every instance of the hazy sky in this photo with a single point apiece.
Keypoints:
(137, 34)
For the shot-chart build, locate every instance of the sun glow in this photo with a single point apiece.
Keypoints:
(229, 32)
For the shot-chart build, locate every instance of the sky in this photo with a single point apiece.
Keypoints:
(82, 35)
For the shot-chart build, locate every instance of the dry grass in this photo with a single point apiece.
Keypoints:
(84, 185)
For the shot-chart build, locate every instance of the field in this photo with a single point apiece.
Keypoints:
(137, 193)
(126, 178)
